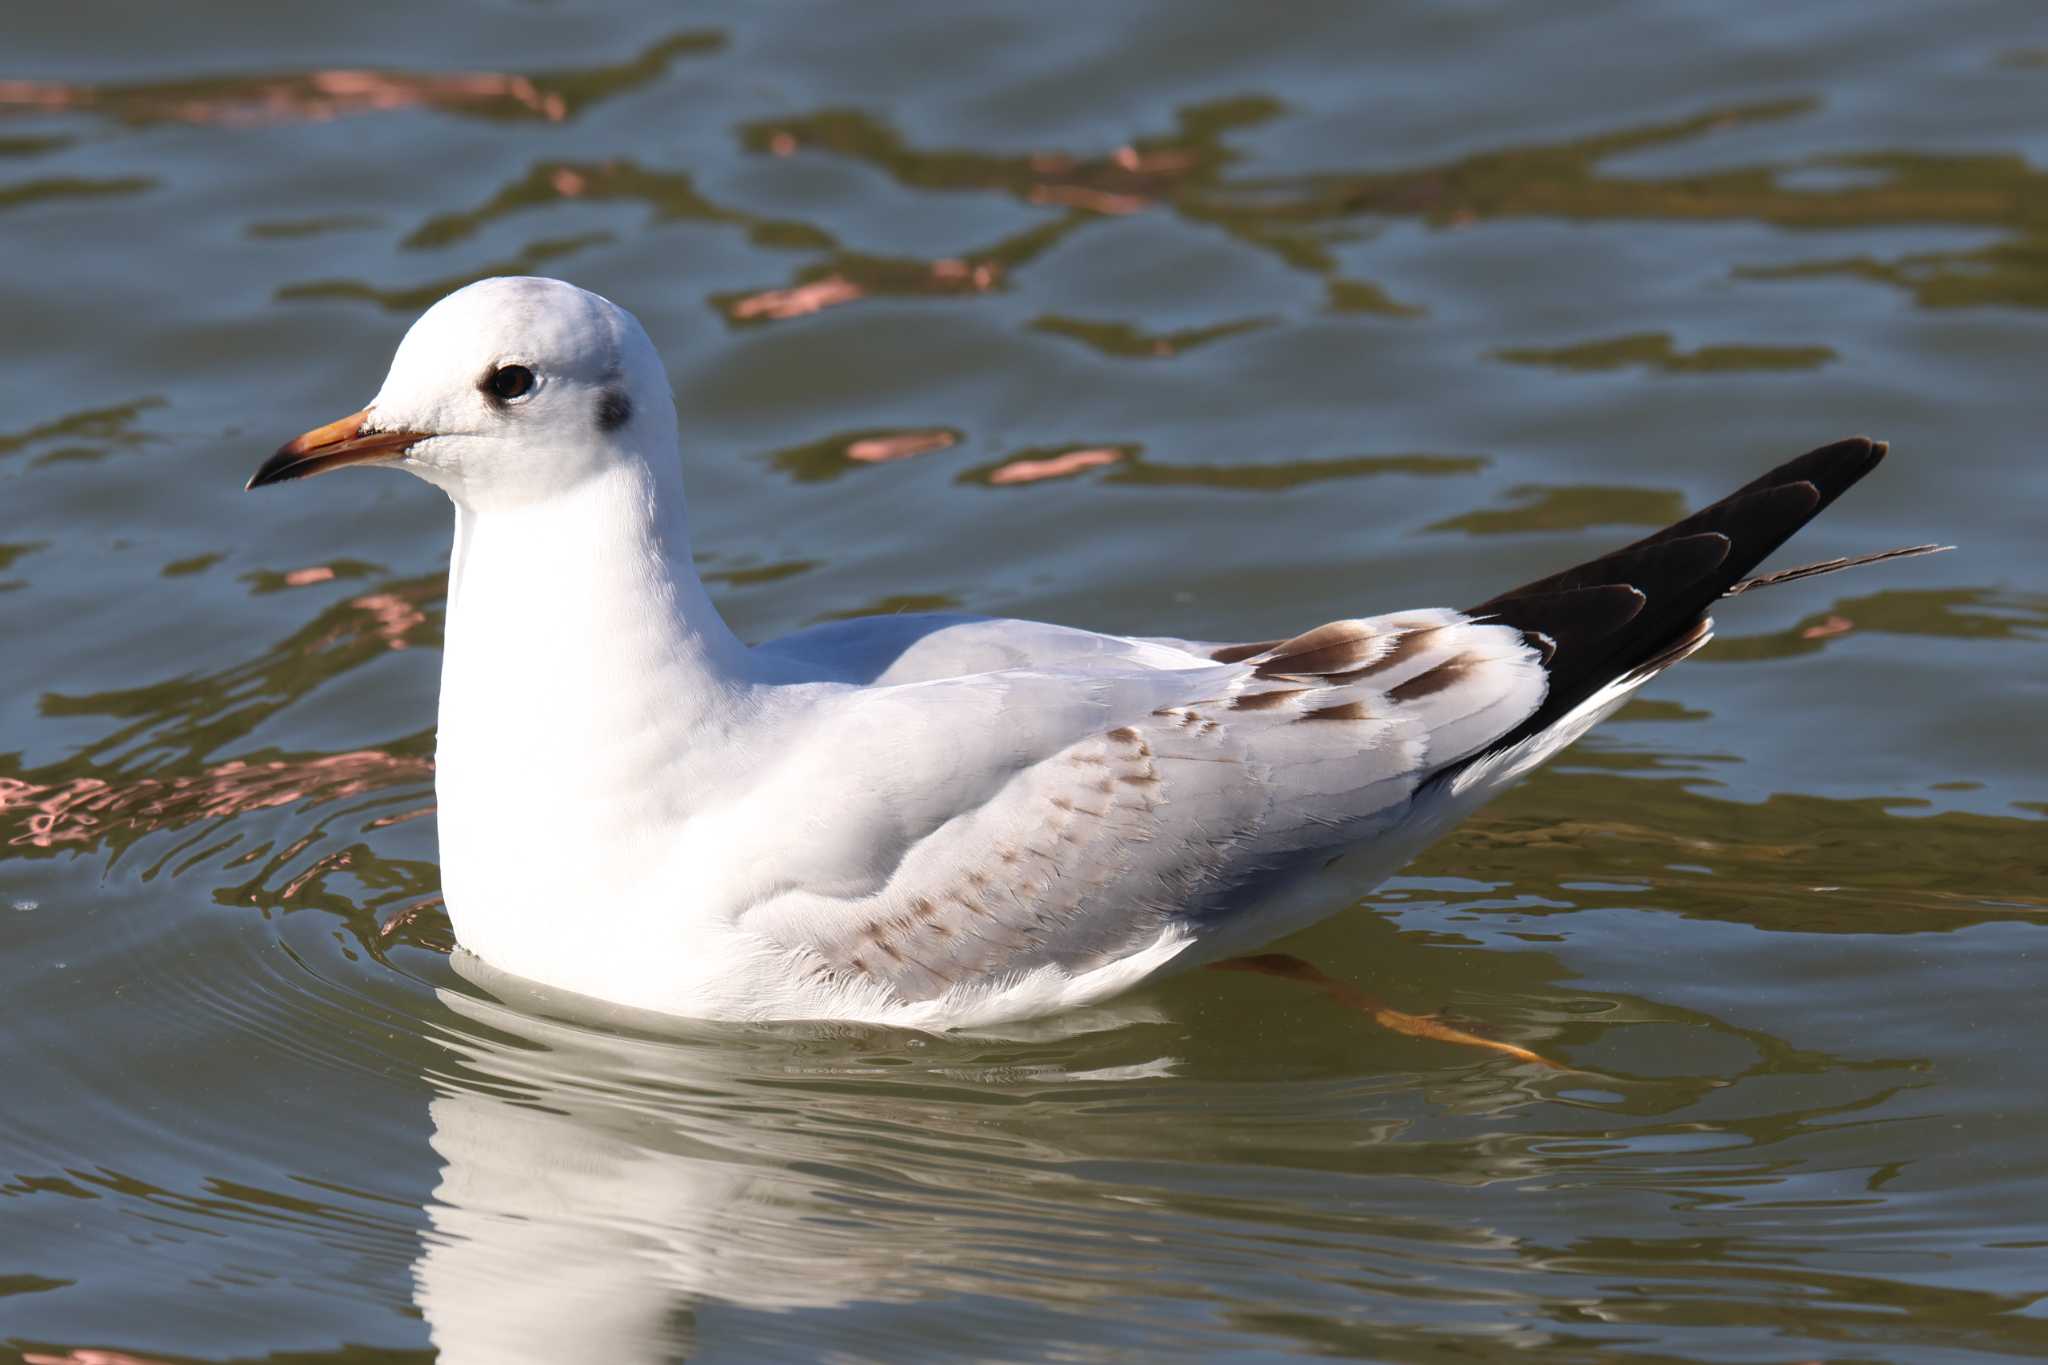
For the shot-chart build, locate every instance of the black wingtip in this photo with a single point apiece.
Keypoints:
(1679, 572)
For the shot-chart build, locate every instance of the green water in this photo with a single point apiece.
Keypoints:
(1203, 319)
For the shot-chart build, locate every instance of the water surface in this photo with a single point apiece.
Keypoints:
(1193, 319)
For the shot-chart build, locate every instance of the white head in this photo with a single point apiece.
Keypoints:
(507, 392)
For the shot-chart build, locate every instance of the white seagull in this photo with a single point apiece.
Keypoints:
(932, 821)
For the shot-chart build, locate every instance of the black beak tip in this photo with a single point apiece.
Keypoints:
(277, 469)
(334, 446)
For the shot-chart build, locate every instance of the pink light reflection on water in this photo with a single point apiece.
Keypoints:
(85, 809)
(799, 300)
(1055, 467)
(899, 445)
(313, 97)
(392, 617)
(91, 1355)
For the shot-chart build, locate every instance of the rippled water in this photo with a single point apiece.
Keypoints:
(1196, 319)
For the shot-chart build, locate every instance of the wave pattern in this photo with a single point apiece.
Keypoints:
(1205, 320)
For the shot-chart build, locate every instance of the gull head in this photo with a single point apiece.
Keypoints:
(505, 392)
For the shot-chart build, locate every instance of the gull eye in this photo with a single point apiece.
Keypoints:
(509, 381)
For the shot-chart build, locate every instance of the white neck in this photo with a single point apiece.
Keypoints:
(603, 569)
(583, 665)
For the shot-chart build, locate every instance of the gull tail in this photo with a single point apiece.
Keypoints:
(1832, 566)
(1620, 618)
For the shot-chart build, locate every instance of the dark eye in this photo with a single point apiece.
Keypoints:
(510, 381)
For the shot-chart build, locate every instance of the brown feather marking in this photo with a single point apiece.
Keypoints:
(1237, 654)
(1434, 680)
(1265, 701)
(1406, 646)
(1125, 734)
(1326, 649)
(1140, 779)
(1343, 710)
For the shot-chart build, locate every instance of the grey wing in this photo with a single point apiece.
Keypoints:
(1076, 818)
(923, 647)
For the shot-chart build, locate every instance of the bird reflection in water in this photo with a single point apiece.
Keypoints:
(600, 1187)
(627, 1188)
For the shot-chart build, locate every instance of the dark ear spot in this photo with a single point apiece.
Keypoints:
(614, 409)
